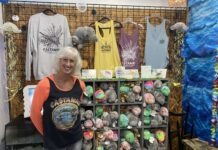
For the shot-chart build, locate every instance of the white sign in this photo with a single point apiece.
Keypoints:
(28, 93)
(146, 72)
(105, 74)
(119, 71)
(159, 73)
(131, 74)
(89, 73)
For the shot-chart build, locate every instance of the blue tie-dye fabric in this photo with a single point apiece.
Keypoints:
(201, 39)
(197, 95)
(4, 1)
(199, 50)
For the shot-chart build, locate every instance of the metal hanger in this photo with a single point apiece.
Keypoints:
(130, 20)
(49, 11)
(104, 19)
(156, 16)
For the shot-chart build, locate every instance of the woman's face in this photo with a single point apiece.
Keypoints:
(66, 65)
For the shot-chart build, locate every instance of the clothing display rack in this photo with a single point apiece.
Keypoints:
(94, 12)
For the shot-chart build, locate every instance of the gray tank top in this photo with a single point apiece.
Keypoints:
(156, 45)
(129, 49)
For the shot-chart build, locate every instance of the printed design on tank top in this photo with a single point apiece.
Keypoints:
(157, 31)
(50, 38)
(104, 39)
(129, 54)
(162, 41)
(65, 112)
(105, 46)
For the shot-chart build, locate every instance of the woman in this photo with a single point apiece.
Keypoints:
(59, 96)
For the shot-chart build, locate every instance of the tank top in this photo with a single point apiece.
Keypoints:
(129, 49)
(61, 117)
(156, 45)
(106, 50)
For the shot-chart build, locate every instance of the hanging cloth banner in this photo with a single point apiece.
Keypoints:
(3, 75)
(213, 140)
(4, 1)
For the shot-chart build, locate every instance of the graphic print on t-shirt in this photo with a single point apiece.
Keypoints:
(65, 114)
(129, 54)
(51, 38)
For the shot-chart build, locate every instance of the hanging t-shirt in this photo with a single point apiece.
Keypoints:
(129, 49)
(156, 45)
(46, 35)
(106, 50)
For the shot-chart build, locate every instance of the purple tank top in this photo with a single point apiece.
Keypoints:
(129, 49)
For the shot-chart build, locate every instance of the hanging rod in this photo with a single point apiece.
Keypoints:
(101, 5)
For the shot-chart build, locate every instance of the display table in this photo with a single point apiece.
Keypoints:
(197, 144)
(21, 133)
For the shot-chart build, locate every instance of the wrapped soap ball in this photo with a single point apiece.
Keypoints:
(164, 112)
(136, 110)
(149, 85)
(88, 124)
(160, 136)
(147, 120)
(115, 136)
(88, 135)
(123, 120)
(99, 147)
(159, 97)
(99, 123)
(156, 107)
(136, 89)
(111, 146)
(158, 84)
(99, 111)
(124, 89)
(125, 146)
(147, 111)
(89, 91)
(165, 90)
(88, 114)
(149, 98)
(129, 136)
(147, 135)
(100, 96)
(104, 86)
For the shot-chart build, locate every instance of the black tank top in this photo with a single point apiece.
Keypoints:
(61, 117)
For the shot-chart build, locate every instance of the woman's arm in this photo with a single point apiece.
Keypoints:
(40, 96)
